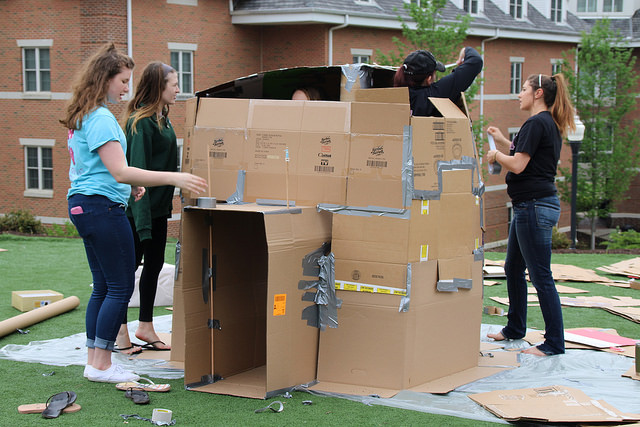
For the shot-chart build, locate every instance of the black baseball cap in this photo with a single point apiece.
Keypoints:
(422, 62)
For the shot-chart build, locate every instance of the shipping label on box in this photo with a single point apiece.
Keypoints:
(28, 300)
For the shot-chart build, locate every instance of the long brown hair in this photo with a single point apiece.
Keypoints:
(92, 83)
(556, 97)
(149, 94)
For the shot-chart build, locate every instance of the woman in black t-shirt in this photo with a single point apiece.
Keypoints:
(531, 161)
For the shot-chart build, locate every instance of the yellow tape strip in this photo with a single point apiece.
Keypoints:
(374, 289)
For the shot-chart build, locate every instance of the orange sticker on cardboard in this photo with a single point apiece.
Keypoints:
(279, 304)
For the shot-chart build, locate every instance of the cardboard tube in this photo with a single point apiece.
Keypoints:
(38, 315)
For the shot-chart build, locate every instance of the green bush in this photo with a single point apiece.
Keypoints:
(65, 230)
(559, 240)
(21, 221)
(623, 240)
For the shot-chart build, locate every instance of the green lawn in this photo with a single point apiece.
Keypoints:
(60, 264)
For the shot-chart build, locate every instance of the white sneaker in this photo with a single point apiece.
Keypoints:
(86, 371)
(115, 374)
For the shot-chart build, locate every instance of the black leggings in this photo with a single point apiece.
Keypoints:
(152, 250)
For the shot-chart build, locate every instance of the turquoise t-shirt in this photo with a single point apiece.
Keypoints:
(87, 173)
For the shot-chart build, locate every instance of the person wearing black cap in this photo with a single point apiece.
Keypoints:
(418, 72)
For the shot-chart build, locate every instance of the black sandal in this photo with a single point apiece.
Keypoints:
(56, 403)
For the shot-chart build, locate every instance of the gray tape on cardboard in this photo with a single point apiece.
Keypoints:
(325, 311)
(407, 165)
(404, 301)
(352, 73)
(237, 197)
(177, 260)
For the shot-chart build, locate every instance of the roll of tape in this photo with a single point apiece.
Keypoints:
(161, 415)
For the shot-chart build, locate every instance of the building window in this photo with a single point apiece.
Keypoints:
(182, 62)
(556, 66)
(587, 5)
(516, 75)
(471, 6)
(612, 6)
(36, 65)
(556, 10)
(38, 163)
(515, 9)
(361, 56)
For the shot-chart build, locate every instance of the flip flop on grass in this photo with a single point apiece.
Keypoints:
(149, 386)
(37, 408)
(57, 402)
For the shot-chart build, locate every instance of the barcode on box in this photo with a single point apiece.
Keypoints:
(323, 168)
(376, 164)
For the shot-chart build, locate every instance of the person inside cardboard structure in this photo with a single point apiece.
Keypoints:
(418, 72)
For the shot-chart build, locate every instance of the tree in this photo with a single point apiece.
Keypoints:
(442, 39)
(604, 91)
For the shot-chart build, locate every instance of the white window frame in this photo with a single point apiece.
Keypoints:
(39, 144)
(515, 83)
(361, 54)
(556, 12)
(556, 66)
(589, 6)
(471, 3)
(180, 49)
(517, 5)
(612, 6)
(37, 45)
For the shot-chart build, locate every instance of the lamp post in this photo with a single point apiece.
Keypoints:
(575, 139)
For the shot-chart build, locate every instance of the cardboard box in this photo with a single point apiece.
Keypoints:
(378, 349)
(28, 300)
(247, 336)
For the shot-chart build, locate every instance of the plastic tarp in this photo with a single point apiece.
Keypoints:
(596, 373)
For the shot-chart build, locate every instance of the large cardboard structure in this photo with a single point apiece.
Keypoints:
(399, 197)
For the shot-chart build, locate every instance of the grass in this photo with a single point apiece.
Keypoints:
(60, 264)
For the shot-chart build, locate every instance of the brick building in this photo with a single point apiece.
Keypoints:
(213, 41)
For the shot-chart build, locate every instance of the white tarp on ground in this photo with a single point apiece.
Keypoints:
(596, 373)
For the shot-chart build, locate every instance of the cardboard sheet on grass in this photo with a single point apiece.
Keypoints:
(606, 340)
(630, 267)
(597, 374)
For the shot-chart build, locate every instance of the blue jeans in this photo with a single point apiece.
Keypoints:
(529, 247)
(108, 242)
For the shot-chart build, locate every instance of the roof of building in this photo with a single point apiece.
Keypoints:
(385, 13)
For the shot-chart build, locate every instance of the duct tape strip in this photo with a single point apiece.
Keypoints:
(404, 301)
(452, 285)
(237, 197)
(275, 202)
(177, 261)
(365, 211)
(478, 254)
(407, 165)
(344, 285)
(465, 162)
(325, 311)
(353, 73)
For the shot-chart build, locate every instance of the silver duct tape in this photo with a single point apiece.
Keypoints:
(275, 202)
(352, 73)
(325, 310)
(465, 162)
(237, 197)
(407, 165)
(453, 285)
(310, 266)
(177, 260)
(364, 211)
(206, 202)
(406, 299)
(478, 254)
